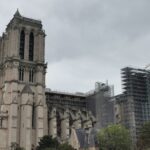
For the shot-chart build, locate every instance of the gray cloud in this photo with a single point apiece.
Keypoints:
(88, 40)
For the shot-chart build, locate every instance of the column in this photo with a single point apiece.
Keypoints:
(39, 122)
(52, 123)
(64, 126)
(26, 127)
(26, 121)
(77, 121)
(13, 120)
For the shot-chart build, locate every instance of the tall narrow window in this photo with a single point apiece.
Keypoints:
(31, 75)
(31, 46)
(21, 73)
(22, 44)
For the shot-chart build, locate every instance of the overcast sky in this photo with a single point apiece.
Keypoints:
(88, 40)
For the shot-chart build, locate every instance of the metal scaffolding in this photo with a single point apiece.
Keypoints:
(136, 90)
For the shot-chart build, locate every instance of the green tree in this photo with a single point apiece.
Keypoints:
(114, 137)
(65, 146)
(144, 138)
(48, 143)
(19, 148)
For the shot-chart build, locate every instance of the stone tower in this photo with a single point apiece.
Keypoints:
(22, 83)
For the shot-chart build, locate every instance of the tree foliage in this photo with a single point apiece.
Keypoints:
(144, 138)
(16, 146)
(114, 137)
(19, 148)
(49, 143)
(65, 146)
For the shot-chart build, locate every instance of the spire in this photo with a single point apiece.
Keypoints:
(17, 14)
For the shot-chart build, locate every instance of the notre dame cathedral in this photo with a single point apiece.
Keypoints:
(28, 111)
(22, 83)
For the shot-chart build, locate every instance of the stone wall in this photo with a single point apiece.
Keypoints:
(3, 139)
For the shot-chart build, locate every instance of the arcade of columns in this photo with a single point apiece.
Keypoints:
(62, 120)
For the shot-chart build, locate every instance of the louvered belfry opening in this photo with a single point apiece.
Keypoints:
(22, 44)
(31, 46)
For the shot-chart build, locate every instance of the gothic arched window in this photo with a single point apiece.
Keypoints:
(21, 73)
(22, 44)
(31, 46)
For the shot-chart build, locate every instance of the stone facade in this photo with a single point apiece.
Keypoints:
(22, 83)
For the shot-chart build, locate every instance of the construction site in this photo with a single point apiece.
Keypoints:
(132, 107)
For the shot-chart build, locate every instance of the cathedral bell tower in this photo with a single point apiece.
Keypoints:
(22, 81)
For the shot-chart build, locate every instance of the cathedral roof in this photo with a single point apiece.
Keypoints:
(27, 89)
(86, 139)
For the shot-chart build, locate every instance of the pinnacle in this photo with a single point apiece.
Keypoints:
(17, 14)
